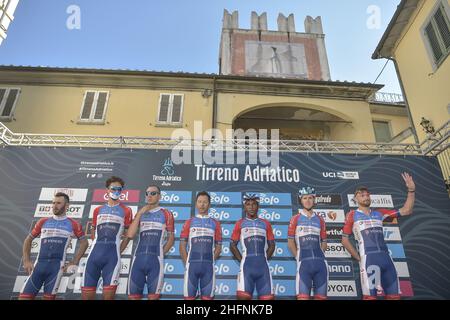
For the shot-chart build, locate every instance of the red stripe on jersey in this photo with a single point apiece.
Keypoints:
(349, 220)
(293, 226)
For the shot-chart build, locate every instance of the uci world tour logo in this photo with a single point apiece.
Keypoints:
(167, 174)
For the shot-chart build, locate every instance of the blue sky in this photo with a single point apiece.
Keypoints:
(182, 35)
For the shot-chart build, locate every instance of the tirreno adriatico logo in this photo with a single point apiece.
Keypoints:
(167, 173)
(168, 169)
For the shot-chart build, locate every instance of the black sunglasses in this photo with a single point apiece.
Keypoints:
(151, 193)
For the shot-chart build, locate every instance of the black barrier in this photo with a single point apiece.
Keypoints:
(419, 244)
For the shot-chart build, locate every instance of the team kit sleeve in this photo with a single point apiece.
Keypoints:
(128, 217)
(170, 223)
(78, 230)
(38, 228)
(269, 232)
(218, 234)
(236, 235)
(292, 227)
(185, 230)
(389, 214)
(94, 221)
(323, 230)
(94, 217)
(347, 230)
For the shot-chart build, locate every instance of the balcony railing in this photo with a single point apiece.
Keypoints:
(387, 97)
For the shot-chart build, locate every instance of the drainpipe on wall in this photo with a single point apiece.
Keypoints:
(214, 113)
(413, 127)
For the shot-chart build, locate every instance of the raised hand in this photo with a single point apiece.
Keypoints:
(409, 182)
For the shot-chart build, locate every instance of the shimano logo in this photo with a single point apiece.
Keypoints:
(339, 268)
(219, 199)
(272, 216)
(170, 198)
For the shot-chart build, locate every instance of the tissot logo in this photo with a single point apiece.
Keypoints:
(46, 210)
(336, 250)
(351, 175)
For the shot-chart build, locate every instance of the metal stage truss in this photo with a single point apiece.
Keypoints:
(433, 145)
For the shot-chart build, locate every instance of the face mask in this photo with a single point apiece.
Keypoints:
(114, 194)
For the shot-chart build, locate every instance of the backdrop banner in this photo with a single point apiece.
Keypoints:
(419, 244)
